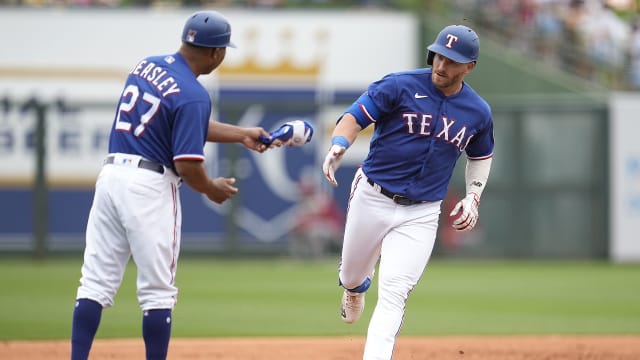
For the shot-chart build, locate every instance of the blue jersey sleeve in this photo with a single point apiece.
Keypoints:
(189, 138)
(384, 94)
(364, 110)
(378, 100)
(481, 145)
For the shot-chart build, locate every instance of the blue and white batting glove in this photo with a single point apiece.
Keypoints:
(291, 133)
(467, 212)
(332, 160)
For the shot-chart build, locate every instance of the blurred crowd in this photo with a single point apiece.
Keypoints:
(598, 40)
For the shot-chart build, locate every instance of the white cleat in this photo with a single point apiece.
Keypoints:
(352, 306)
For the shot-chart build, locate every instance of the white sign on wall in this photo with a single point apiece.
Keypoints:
(85, 54)
(625, 177)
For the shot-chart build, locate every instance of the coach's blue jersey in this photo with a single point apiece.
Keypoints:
(420, 133)
(163, 113)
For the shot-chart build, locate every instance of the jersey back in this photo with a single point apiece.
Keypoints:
(163, 112)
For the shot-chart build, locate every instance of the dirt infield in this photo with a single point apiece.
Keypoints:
(350, 348)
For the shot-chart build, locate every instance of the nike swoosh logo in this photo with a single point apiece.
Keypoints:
(418, 96)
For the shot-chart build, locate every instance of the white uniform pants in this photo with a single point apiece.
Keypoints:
(402, 237)
(135, 213)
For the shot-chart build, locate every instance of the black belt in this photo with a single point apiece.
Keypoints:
(398, 199)
(143, 164)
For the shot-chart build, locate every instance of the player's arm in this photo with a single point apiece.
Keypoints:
(476, 175)
(194, 174)
(359, 115)
(348, 127)
(344, 134)
(227, 133)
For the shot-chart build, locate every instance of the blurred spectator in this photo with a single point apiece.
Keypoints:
(266, 3)
(548, 31)
(524, 31)
(573, 56)
(70, 3)
(318, 224)
(606, 36)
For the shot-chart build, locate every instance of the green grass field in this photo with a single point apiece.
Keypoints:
(283, 297)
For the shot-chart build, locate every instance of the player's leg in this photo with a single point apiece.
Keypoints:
(86, 319)
(156, 332)
(404, 255)
(368, 219)
(105, 257)
(154, 235)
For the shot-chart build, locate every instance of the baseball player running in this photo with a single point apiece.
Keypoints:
(161, 124)
(424, 119)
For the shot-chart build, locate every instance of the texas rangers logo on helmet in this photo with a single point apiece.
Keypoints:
(452, 38)
(191, 35)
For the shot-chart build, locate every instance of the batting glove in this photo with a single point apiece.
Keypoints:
(334, 157)
(292, 133)
(467, 211)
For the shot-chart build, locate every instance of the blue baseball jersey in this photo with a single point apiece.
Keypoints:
(163, 113)
(420, 133)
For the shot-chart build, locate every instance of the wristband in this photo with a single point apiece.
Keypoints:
(340, 140)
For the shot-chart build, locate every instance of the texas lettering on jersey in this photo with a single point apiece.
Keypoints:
(428, 131)
(421, 124)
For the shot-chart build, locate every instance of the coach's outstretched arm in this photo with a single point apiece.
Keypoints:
(476, 175)
(194, 174)
(344, 135)
(227, 133)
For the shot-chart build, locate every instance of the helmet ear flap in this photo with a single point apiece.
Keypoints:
(430, 56)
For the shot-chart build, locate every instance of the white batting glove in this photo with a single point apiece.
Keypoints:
(467, 212)
(332, 162)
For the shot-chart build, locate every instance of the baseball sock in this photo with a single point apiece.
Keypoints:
(363, 287)
(156, 331)
(86, 319)
(359, 289)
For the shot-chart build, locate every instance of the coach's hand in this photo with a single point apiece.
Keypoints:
(465, 212)
(332, 162)
(221, 189)
(252, 140)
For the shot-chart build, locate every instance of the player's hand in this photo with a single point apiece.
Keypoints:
(332, 162)
(466, 212)
(221, 189)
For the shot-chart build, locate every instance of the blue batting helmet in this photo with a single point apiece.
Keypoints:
(207, 29)
(457, 42)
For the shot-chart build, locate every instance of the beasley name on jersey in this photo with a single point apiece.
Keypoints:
(163, 113)
(420, 133)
